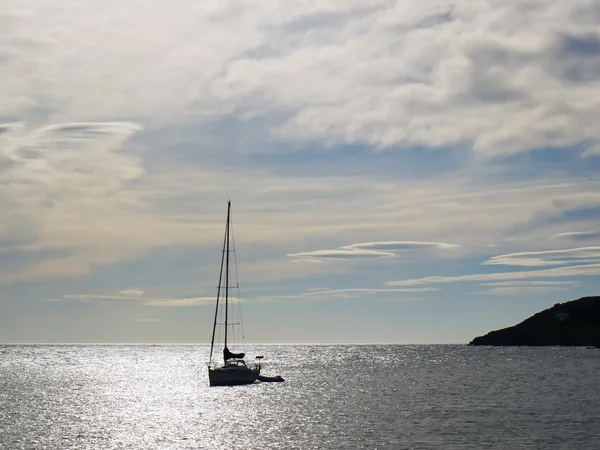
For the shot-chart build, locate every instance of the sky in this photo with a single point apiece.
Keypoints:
(400, 171)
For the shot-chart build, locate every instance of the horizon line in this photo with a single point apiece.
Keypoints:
(208, 344)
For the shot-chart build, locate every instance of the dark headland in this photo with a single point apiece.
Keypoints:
(572, 323)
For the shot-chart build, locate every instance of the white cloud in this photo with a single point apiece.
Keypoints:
(433, 73)
(172, 209)
(394, 246)
(528, 283)
(76, 191)
(66, 182)
(306, 260)
(477, 73)
(138, 297)
(96, 297)
(369, 250)
(388, 74)
(132, 292)
(97, 214)
(548, 257)
(558, 272)
(578, 235)
(343, 254)
(130, 123)
(326, 294)
(336, 292)
(523, 286)
(520, 290)
(181, 302)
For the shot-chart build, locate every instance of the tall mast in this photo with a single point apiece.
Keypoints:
(225, 239)
(227, 270)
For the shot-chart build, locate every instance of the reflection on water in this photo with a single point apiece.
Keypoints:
(413, 397)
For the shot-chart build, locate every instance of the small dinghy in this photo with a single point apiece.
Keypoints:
(266, 379)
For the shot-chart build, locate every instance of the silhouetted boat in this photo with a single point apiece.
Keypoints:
(274, 379)
(234, 370)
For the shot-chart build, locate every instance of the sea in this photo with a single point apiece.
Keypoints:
(333, 397)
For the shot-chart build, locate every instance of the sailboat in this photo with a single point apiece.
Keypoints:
(234, 370)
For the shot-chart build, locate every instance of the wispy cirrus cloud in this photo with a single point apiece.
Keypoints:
(528, 283)
(343, 254)
(66, 182)
(558, 272)
(138, 297)
(132, 292)
(394, 246)
(578, 236)
(158, 214)
(99, 297)
(181, 302)
(328, 294)
(516, 290)
(575, 262)
(523, 286)
(370, 250)
(548, 257)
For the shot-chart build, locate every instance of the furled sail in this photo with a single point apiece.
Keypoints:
(229, 355)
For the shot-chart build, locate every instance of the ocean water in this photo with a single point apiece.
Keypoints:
(334, 397)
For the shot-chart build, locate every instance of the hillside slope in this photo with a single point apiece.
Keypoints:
(572, 323)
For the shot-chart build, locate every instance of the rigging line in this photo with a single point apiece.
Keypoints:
(237, 285)
(212, 341)
(227, 268)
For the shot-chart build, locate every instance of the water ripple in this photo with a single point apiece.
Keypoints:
(361, 396)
